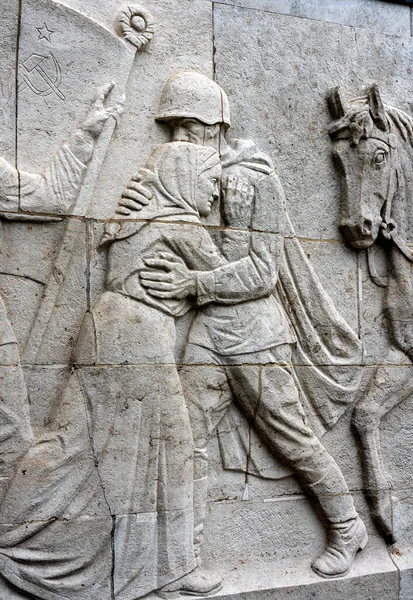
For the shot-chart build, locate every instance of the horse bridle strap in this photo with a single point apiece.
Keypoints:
(371, 253)
(401, 245)
(388, 226)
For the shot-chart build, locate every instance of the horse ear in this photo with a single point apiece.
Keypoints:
(376, 107)
(336, 104)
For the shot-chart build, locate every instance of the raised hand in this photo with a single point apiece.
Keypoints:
(168, 277)
(238, 197)
(99, 113)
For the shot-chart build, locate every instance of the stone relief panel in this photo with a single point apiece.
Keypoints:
(197, 372)
(372, 148)
(130, 328)
(276, 84)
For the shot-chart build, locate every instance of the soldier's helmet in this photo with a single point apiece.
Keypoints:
(191, 95)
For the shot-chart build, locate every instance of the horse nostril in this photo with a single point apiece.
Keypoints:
(367, 227)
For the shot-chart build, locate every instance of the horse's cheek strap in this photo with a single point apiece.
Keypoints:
(393, 184)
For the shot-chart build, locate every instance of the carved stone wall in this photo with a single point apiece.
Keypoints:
(205, 314)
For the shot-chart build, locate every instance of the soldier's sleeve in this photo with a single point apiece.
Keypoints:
(56, 190)
(255, 275)
(269, 212)
(196, 247)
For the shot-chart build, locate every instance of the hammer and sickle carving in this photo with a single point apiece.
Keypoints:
(42, 80)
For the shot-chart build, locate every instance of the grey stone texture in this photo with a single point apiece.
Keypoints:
(231, 418)
(368, 14)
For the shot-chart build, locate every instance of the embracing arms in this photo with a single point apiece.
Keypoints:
(255, 255)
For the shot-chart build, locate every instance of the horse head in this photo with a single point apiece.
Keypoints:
(365, 156)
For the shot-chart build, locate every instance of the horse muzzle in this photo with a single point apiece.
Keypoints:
(360, 235)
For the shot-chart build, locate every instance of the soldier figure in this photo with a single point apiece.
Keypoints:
(241, 323)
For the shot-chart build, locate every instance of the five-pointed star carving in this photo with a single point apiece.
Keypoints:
(45, 33)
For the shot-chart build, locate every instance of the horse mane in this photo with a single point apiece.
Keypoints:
(402, 122)
(360, 122)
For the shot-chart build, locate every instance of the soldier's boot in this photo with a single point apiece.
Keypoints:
(344, 541)
(346, 532)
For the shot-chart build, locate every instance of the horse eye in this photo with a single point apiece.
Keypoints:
(379, 158)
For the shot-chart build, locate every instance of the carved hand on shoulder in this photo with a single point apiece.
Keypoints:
(134, 197)
(237, 202)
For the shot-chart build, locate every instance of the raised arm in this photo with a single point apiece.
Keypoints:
(55, 190)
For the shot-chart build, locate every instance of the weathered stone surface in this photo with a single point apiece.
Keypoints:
(242, 566)
(8, 88)
(275, 82)
(205, 347)
(369, 14)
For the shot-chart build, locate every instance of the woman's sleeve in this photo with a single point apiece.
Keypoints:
(9, 187)
(57, 188)
(53, 191)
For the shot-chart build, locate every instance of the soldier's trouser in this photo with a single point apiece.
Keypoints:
(269, 399)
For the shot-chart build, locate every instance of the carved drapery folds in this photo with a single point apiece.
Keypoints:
(183, 374)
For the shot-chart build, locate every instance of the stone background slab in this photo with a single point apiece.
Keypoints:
(276, 59)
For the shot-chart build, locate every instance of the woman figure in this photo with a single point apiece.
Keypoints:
(119, 447)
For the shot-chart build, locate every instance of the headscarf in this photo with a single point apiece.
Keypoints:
(171, 173)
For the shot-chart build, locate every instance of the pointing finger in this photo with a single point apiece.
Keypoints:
(170, 257)
(102, 94)
(159, 294)
(135, 197)
(123, 211)
(141, 189)
(130, 204)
